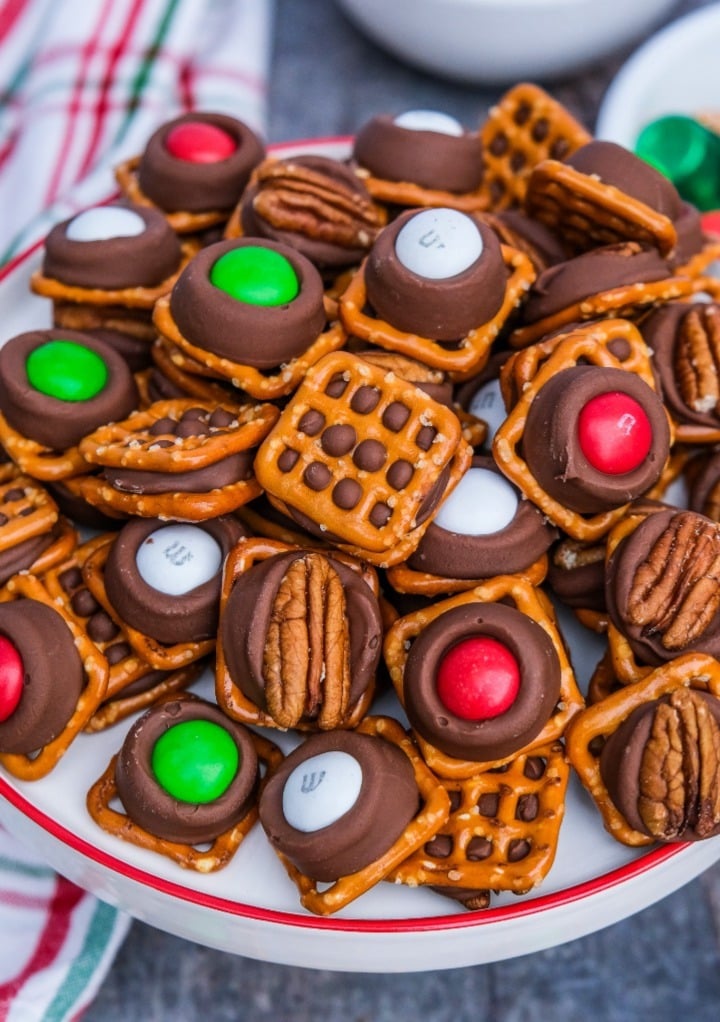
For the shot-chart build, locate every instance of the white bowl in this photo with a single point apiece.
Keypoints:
(504, 40)
(676, 71)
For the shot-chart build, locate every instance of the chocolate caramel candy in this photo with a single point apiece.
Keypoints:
(483, 528)
(122, 245)
(253, 301)
(596, 437)
(186, 772)
(662, 586)
(36, 651)
(436, 273)
(637, 766)
(58, 385)
(199, 162)
(312, 644)
(163, 579)
(338, 803)
(481, 681)
(426, 148)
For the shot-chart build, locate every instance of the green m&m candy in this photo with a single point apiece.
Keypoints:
(66, 370)
(256, 275)
(195, 761)
(688, 153)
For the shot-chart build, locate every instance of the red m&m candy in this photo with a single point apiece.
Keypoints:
(478, 678)
(199, 142)
(614, 433)
(12, 678)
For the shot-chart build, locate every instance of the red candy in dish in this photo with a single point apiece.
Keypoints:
(197, 142)
(614, 432)
(478, 679)
(12, 678)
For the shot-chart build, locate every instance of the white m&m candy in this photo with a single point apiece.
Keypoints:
(429, 120)
(103, 223)
(487, 404)
(483, 502)
(178, 558)
(321, 790)
(438, 243)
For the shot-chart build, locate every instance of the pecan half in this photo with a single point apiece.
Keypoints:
(675, 591)
(697, 358)
(306, 662)
(680, 769)
(292, 197)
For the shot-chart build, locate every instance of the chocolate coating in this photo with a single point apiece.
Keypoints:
(22, 555)
(431, 159)
(203, 480)
(50, 421)
(662, 329)
(620, 761)
(591, 273)
(156, 811)
(254, 335)
(538, 242)
(553, 453)
(615, 165)
(387, 802)
(320, 250)
(141, 260)
(243, 635)
(580, 584)
(191, 617)
(501, 736)
(703, 486)
(509, 550)
(182, 186)
(445, 309)
(48, 653)
(621, 567)
(690, 236)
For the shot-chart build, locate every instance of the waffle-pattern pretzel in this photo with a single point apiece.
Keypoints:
(190, 376)
(259, 524)
(405, 579)
(620, 345)
(431, 816)
(428, 441)
(124, 704)
(524, 128)
(177, 506)
(132, 322)
(27, 511)
(126, 297)
(574, 347)
(585, 212)
(181, 221)
(159, 655)
(626, 301)
(198, 858)
(503, 828)
(95, 669)
(38, 461)
(694, 670)
(260, 385)
(230, 697)
(529, 601)
(461, 361)
(409, 194)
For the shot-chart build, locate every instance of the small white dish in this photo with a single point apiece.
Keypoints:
(504, 40)
(674, 72)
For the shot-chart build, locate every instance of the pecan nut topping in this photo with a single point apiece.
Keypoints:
(293, 197)
(697, 358)
(306, 662)
(680, 769)
(675, 591)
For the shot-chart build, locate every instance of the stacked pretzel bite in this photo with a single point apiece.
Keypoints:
(343, 430)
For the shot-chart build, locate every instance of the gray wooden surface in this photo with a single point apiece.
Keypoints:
(664, 963)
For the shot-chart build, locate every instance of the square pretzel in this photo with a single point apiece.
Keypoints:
(432, 814)
(428, 444)
(529, 601)
(230, 697)
(597, 721)
(38, 461)
(495, 817)
(405, 579)
(581, 344)
(29, 512)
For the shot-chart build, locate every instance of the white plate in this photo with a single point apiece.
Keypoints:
(675, 71)
(251, 908)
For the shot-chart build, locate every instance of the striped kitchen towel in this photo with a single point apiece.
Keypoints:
(83, 83)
